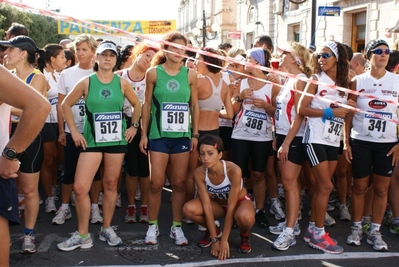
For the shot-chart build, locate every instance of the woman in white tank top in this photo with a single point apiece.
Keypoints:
(372, 141)
(221, 194)
(322, 136)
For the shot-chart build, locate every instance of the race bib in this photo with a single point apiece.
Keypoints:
(378, 128)
(175, 117)
(79, 110)
(53, 101)
(332, 130)
(254, 122)
(277, 114)
(108, 126)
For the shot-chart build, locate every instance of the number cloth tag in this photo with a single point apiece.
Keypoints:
(254, 122)
(332, 130)
(79, 110)
(108, 126)
(376, 127)
(175, 117)
(277, 113)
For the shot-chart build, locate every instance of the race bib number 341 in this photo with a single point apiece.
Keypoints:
(108, 126)
(175, 117)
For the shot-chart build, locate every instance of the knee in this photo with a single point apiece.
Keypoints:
(188, 210)
(80, 190)
(258, 177)
(156, 186)
(359, 189)
(245, 219)
(110, 185)
(380, 192)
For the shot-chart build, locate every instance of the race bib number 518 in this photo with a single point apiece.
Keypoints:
(175, 117)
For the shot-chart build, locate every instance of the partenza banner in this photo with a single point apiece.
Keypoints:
(139, 27)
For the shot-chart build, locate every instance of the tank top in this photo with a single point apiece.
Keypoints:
(27, 80)
(325, 132)
(138, 87)
(285, 111)
(170, 109)
(221, 190)
(252, 123)
(365, 126)
(52, 96)
(103, 124)
(5, 112)
(225, 122)
(214, 102)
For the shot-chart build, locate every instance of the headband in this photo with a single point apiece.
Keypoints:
(333, 47)
(258, 54)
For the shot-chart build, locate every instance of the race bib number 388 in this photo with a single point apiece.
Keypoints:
(108, 126)
(175, 117)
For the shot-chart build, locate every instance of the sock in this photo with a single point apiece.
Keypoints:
(279, 185)
(366, 218)
(289, 230)
(28, 231)
(153, 222)
(395, 220)
(257, 210)
(83, 236)
(94, 206)
(20, 197)
(319, 232)
(311, 225)
(341, 206)
(176, 224)
(131, 205)
(375, 227)
(357, 224)
(65, 206)
(50, 198)
(273, 200)
(145, 206)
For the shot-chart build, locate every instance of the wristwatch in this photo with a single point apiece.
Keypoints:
(135, 124)
(10, 154)
(195, 136)
(214, 239)
(238, 99)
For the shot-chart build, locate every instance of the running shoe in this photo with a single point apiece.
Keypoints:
(328, 220)
(394, 228)
(21, 202)
(279, 228)
(206, 240)
(108, 235)
(73, 199)
(326, 244)
(62, 215)
(366, 225)
(333, 197)
(356, 236)
(280, 191)
(74, 242)
(130, 216)
(50, 205)
(187, 220)
(100, 199)
(119, 200)
(245, 245)
(201, 228)
(261, 220)
(388, 217)
(95, 216)
(344, 214)
(137, 197)
(152, 234)
(308, 234)
(55, 190)
(375, 238)
(177, 234)
(330, 207)
(28, 244)
(143, 218)
(277, 210)
(284, 241)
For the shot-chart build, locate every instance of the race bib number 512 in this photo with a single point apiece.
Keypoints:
(108, 126)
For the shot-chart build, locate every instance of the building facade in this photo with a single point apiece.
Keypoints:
(357, 22)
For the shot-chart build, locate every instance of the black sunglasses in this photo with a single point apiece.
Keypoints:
(324, 55)
(379, 51)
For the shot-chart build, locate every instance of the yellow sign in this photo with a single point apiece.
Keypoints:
(138, 27)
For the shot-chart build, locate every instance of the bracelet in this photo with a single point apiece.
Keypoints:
(327, 114)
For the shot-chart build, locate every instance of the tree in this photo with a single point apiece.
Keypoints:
(42, 29)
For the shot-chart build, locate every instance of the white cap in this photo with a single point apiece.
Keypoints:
(107, 46)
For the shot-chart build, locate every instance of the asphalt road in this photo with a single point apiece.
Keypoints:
(134, 252)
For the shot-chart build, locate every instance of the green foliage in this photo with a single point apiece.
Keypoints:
(42, 29)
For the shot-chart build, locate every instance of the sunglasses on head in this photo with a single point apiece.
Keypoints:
(324, 55)
(379, 51)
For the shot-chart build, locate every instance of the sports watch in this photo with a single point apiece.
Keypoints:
(135, 124)
(10, 154)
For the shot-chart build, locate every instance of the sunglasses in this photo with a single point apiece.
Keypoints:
(324, 55)
(379, 51)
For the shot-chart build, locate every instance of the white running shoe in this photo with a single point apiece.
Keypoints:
(28, 244)
(137, 197)
(62, 215)
(328, 220)
(100, 199)
(73, 199)
(119, 200)
(177, 234)
(151, 237)
(95, 216)
(277, 210)
(74, 242)
(108, 235)
(50, 205)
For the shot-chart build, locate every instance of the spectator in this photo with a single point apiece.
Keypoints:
(15, 29)
(265, 42)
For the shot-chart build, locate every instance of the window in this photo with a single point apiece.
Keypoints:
(252, 15)
(359, 31)
(294, 32)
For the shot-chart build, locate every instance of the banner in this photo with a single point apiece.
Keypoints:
(76, 27)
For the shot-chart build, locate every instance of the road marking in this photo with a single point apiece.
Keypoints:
(262, 237)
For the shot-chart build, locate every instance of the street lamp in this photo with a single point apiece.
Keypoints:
(200, 31)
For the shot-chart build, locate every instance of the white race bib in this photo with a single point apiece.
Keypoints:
(376, 127)
(175, 117)
(332, 130)
(277, 114)
(53, 101)
(254, 122)
(108, 126)
(79, 110)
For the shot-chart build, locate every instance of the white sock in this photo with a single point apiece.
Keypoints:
(94, 206)
(375, 227)
(289, 230)
(65, 206)
(319, 232)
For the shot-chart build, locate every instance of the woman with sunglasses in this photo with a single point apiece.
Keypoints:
(254, 105)
(290, 128)
(322, 135)
(372, 141)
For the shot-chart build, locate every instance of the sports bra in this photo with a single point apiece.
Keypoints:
(221, 190)
(214, 102)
